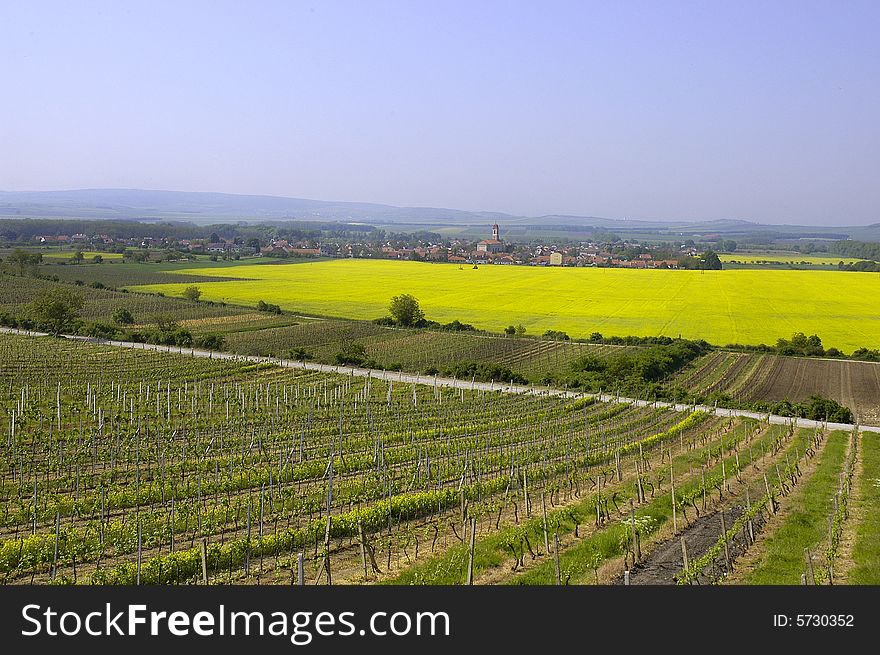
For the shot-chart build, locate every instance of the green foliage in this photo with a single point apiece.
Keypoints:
(405, 310)
(801, 344)
(455, 326)
(354, 354)
(209, 341)
(815, 408)
(635, 372)
(123, 316)
(299, 354)
(860, 267)
(192, 292)
(485, 372)
(857, 249)
(23, 260)
(57, 309)
(268, 307)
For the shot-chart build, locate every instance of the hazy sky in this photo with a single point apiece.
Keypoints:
(767, 111)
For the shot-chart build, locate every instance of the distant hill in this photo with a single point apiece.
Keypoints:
(212, 207)
(205, 208)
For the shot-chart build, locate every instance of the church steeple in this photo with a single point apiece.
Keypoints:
(495, 232)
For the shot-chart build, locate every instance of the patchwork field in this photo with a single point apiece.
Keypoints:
(735, 306)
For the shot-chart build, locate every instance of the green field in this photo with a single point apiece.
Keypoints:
(736, 306)
(787, 258)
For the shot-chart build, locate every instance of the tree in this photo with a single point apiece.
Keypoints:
(123, 316)
(406, 311)
(192, 292)
(520, 330)
(710, 261)
(57, 309)
(166, 323)
(23, 259)
(510, 330)
(77, 257)
(97, 259)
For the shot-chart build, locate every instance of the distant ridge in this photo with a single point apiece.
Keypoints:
(201, 205)
(209, 207)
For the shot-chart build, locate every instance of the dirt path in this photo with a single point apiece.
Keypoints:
(667, 559)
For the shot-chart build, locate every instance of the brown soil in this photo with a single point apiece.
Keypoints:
(666, 561)
(853, 384)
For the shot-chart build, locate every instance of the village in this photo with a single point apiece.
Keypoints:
(428, 247)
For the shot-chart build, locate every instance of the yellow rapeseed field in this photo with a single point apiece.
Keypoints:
(729, 306)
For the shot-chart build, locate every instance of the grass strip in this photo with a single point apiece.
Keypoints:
(806, 523)
(866, 553)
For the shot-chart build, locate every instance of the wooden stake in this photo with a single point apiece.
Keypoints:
(724, 540)
(140, 551)
(637, 550)
(544, 512)
(55, 555)
(808, 558)
(327, 551)
(363, 547)
(556, 558)
(204, 561)
(470, 569)
(769, 495)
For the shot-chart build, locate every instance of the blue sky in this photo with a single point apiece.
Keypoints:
(765, 111)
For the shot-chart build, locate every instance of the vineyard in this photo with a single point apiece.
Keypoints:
(417, 350)
(119, 463)
(129, 466)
